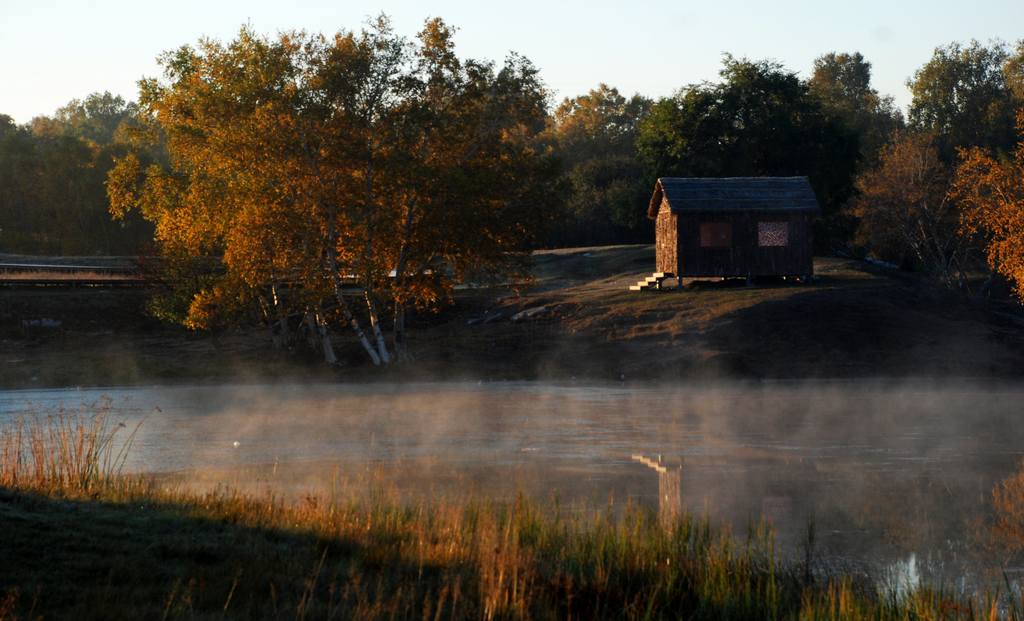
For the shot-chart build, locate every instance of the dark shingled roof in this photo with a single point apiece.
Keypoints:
(733, 194)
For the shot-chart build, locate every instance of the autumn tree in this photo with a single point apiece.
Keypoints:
(905, 213)
(595, 137)
(991, 191)
(308, 163)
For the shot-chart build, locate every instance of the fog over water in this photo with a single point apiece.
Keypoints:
(882, 472)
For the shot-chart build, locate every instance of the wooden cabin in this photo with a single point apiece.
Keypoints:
(733, 227)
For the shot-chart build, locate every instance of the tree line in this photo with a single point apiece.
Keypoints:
(945, 195)
(309, 166)
(52, 175)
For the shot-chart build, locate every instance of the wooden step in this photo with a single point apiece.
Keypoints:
(651, 282)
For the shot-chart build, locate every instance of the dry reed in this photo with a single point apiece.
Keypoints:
(381, 559)
(68, 451)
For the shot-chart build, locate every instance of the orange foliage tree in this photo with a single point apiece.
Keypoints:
(905, 212)
(308, 163)
(991, 192)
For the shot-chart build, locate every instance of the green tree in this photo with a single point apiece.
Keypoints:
(595, 135)
(69, 195)
(842, 83)
(18, 169)
(52, 174)
(962, 94)
(760, 120)
(97, 119)
(1013, 72)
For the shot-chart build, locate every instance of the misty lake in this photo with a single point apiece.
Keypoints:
(896, 475)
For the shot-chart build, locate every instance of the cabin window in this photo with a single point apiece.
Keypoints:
(772, 234)
(715, 235)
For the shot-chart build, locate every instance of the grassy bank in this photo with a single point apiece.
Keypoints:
(83, 540)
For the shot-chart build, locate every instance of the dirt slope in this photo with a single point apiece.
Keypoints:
(854, 321)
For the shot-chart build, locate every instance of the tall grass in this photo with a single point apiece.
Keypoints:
(379, 558)
(68, 451)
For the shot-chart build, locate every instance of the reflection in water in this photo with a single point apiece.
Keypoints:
(901, 578)
(777, 509)
(882, 471)
(670, 483)
(1007, 529)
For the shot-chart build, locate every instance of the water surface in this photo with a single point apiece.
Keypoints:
(882, 473)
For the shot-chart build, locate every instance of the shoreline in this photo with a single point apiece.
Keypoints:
(855, 323)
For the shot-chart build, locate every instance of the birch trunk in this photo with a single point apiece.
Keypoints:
(346, 312)
(382, 347)
(398, 327)
(332, 266)
(332, 259)
(265, 310)
(325, 338)
(401, 351)
(312, 328)
(281, 316)
(371, 307)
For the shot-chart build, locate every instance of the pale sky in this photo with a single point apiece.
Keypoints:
(52, 51)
